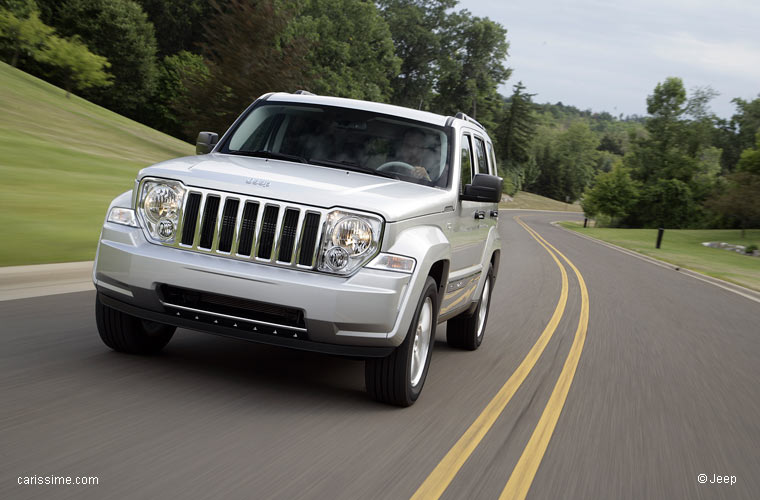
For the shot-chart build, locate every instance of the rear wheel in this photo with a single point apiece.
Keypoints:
(466, 331)
(398, 378)
(124, 333)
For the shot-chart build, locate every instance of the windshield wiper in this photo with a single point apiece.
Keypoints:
(354, 167)
(273, 156)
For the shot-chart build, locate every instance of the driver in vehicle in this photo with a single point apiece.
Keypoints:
(416, 152)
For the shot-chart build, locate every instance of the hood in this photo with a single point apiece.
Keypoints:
(300, 183)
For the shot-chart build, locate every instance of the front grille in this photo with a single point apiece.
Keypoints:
(248, 228)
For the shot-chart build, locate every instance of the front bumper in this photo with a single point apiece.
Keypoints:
(340, 315)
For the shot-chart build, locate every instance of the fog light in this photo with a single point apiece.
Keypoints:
(165, 228)
(336, 258)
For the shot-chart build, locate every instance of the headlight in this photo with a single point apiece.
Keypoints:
(353, 234)
(160, 206)
(349, 241)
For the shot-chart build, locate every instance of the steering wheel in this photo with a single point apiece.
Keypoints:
(391, 164)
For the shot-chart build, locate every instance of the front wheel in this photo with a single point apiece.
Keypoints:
(466, 331)
(398, 378)
(124, 333)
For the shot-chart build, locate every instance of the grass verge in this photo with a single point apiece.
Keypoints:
(61, 163)
(683, 247)
(530, 201)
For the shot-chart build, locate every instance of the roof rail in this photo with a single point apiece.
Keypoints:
(303, 92)
(463, 116)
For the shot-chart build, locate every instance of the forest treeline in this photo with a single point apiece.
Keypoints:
(187, 65)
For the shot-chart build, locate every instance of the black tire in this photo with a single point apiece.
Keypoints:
(465, 331)
(124, 333)
(389, 379)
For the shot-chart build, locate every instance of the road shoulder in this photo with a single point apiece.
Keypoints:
(23, 282)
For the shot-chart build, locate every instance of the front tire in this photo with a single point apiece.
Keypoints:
(398, 378)
(466, 331)
(124, 333)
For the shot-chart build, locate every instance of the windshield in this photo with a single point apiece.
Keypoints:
(345, 138)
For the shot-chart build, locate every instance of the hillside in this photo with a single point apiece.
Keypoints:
(61, 162)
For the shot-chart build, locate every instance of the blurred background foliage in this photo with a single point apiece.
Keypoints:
(181, 66)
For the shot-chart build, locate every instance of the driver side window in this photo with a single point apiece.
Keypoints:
(466, 163)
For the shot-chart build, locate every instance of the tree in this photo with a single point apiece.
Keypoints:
(612, 143)
(418, 29)
(351, 52)
(666, 203)
(266, 57)
(173, 74)
(662, 154)
(740, 201)
(678, 148)
(22, 36)
(178, 24)
(79, 68)
(517, 128)
(700, 130)
(613, 194)
(566, 161)
(469, 77)
(749, 161)
(513, 140)
(120, 31)
(746, 122)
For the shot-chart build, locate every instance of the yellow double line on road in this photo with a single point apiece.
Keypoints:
(522, 476)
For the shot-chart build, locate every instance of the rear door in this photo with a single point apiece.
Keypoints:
(467, 236)
(484, 219)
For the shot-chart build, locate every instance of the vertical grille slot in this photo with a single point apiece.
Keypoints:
(229, 217)
(288, 237)
(248, 228)
(190, 218)
(309, 239)
(210, 214)
(268, 228)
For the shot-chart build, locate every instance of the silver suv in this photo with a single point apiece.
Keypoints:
(318, 223)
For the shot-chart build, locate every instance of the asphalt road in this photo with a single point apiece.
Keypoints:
(667, 387)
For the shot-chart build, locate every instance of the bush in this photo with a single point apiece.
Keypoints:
(750, 249)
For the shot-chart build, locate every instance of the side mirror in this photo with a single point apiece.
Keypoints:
(206, 142)
(484, 187)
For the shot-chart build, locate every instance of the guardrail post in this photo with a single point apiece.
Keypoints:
(659, 236)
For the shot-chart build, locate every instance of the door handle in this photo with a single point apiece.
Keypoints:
(480, 214)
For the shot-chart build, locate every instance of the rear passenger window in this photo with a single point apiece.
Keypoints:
(466, 163)
(492, 159)
(480, 151)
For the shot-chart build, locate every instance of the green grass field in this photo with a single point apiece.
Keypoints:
(61, 163)
(683, 247)
(532, 201)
